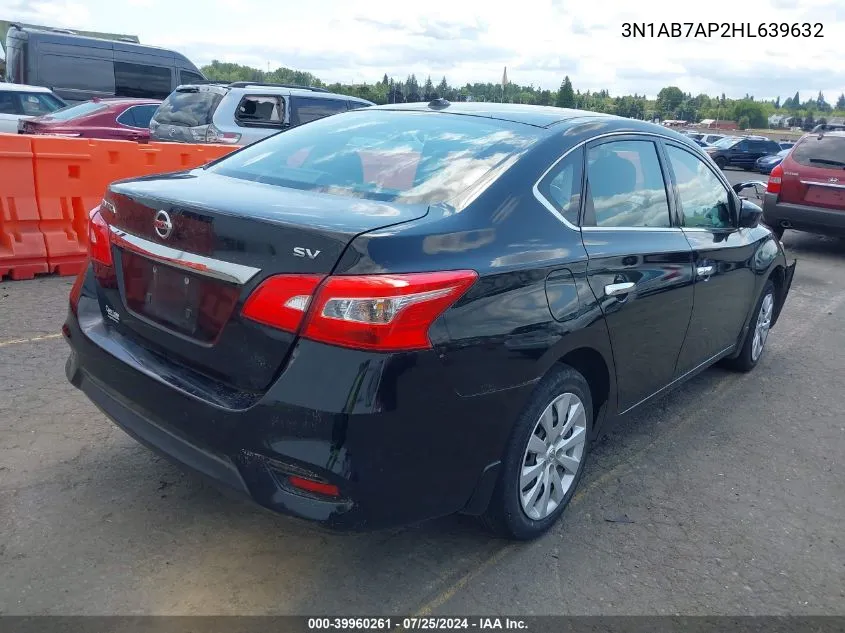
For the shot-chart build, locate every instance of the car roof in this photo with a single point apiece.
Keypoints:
(272, 89)
(7, 87)
(118, 101)
(538, 116)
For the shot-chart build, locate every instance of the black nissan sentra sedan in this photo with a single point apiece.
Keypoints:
(407, 311)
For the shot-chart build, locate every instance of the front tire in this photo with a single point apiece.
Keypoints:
(544, 460)
(758, 331)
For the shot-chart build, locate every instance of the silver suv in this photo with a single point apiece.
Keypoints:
(243, 112)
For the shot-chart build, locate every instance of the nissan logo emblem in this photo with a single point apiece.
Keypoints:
(163, 225)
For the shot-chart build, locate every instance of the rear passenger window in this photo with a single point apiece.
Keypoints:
(562, 186)
(307, 109)
(137, 116)
(141, 80)
(261, 111)
(626, 187)
(187, 77)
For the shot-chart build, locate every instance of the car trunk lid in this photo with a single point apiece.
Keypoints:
(189, 249)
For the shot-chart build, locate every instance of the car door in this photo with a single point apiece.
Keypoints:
(10, 113)
(739, 154)
(640, 263)
(722, 252)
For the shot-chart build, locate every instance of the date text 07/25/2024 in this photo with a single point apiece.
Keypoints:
(722, 29)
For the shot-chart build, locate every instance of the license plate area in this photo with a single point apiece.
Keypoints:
(190, 304)
(828, 196)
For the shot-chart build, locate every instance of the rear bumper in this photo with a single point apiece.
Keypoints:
(397, 441)
(802, 217)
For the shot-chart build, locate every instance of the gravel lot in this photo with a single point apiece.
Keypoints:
(725, 497)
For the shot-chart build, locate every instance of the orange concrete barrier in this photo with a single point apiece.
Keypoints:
(22, 250)
(49, 184)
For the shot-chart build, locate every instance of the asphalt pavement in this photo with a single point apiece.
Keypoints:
(725, 497)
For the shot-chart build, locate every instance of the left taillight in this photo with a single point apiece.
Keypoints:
(99, 242)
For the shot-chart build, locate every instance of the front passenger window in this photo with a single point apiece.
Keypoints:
(704, 199)
(626, 187)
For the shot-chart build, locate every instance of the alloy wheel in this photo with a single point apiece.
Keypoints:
(553, 456)
(761, 329)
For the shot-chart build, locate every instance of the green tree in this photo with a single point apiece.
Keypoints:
(777, 103)
(840, 102)
(796, 101)
(443, 89)
(428, 90)
(668, 100)
(743, 123)
(565, 96)
(752, 110)
(809, 122)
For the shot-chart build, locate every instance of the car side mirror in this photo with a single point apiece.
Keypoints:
(749, 214)
(758, 185)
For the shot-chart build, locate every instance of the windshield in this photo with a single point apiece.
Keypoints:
(188, 108)
(412, 157)
(72, 112)
(38, 103)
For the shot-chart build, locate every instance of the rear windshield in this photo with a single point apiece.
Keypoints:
(818, 152)
(71, 112)
(188, 108)
(411, 157)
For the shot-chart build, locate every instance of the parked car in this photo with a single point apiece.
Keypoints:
(806, 192)
(79, 68)
(765, 164)
(243, 112)
(706, 139)
(828, 127)
(19, 102)
(741, 152)
(365, 330)
(118, 119)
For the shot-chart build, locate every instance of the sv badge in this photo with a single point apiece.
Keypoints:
(299, 251)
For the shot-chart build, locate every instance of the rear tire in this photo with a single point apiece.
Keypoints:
(758, 331)
(778, 231)
(721, 163)
(544, 460)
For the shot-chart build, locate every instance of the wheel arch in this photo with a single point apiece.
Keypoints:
(778, 277)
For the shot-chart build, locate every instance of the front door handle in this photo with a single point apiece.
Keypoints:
(614, 290)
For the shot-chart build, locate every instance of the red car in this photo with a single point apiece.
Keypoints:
(117, 119)
(806, 192)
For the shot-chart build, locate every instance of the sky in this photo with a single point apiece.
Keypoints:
(540, 41)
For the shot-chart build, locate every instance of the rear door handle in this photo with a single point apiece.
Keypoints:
(614, 290)
(705, 271)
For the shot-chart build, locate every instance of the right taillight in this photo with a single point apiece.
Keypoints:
(99, 243)
(374, 312)
(281, 301)
(383, 312)
(775, 180)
